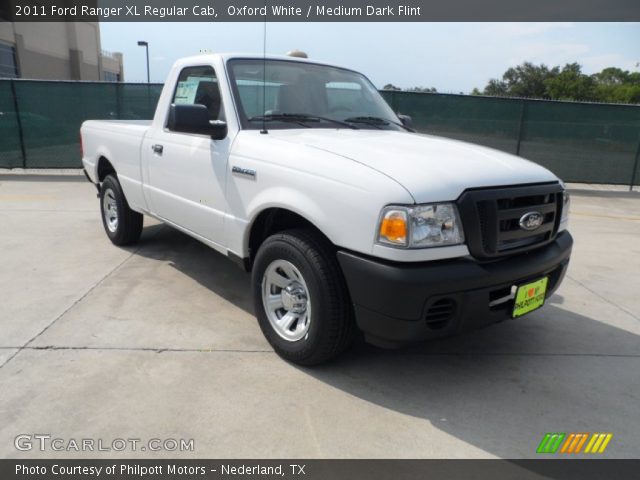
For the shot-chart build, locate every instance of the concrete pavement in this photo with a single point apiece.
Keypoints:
(159, 341)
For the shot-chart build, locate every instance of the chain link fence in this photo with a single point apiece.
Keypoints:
(580, 142)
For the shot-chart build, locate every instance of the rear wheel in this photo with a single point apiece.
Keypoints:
(300, 297)
(121, 224)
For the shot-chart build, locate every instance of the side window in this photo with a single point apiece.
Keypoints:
(199, 85)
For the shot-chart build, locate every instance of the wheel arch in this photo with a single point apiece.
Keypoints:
(103, 168)
(272, 220)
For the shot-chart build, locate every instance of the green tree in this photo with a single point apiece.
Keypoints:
(496, 88)
(422, 89)
(612, 84)
(526, 80)
(615, 85)
(613, 76)
(571, 84)
(391, 86)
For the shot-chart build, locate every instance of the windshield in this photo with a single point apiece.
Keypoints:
(292, 94)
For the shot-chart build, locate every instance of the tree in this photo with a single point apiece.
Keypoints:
(496, 88)
(612, 84)
(571, 84)
(390, 86)
(528, 80)
(615, 85)
(422, 89)
(612, 76)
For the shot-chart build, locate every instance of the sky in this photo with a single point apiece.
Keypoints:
(452, 57)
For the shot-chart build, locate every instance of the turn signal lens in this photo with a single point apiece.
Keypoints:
(393, 227)
(565, 207)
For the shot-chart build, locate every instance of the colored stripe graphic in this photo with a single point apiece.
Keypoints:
(550, 443)
(581, 443)
(574, 443)
(598, 443)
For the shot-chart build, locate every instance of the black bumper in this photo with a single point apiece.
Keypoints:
(397, 303)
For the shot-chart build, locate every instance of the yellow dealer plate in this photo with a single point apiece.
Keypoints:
(530, 297)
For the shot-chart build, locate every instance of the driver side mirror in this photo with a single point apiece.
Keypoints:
(195, 119)
(406, 120)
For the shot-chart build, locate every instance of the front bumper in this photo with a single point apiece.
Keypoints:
(396, 303)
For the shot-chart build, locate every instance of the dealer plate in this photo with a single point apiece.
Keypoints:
(530, 297)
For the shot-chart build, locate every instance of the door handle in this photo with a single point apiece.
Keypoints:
(157, 149)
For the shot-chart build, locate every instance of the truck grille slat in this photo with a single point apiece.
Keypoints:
(513, 234)
(491, 218)
(518, 212)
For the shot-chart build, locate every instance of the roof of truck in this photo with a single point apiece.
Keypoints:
(209, 57)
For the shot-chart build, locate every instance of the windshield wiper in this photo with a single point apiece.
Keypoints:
(279, 118)
(376, 122)
(299, 118)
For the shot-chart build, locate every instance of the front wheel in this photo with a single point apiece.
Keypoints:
(121, 224)
(300, 297)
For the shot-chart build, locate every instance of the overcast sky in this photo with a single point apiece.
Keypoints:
(453, 57)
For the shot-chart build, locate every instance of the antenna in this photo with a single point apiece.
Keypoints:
(264, 70)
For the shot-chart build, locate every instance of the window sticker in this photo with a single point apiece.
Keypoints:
(186, 91)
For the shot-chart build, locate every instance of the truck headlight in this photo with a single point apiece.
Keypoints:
(420, 226)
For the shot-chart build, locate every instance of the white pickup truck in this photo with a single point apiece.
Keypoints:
(348, 220)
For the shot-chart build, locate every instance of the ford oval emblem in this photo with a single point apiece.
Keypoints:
(531, 220)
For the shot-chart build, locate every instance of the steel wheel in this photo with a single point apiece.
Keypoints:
(286, 300)
(110, 210)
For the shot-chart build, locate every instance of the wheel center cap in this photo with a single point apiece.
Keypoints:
(294, 298)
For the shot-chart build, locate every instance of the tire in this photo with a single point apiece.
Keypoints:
(122, 225)
(296, 274)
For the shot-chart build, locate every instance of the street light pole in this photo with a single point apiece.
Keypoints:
(144, 44)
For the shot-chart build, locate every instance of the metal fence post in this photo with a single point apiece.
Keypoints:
(19, 122)
(635, 168)
(394, 101)
(118, 100)
(149, 100)
(521, 126)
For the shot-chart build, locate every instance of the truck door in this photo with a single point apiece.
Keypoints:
(186, 172)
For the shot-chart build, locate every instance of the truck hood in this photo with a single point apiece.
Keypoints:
(430, 168)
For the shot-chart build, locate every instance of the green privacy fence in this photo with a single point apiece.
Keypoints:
(40, 120)
(580, 142)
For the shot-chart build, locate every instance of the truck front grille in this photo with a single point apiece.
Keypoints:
(491, 218)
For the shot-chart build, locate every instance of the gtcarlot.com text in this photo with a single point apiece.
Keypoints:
(48, 443)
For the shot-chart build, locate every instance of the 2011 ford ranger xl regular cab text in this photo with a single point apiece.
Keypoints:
(348, 221)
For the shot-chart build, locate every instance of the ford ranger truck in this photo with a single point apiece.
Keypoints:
(347, 219)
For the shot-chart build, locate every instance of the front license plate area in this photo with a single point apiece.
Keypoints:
(530, 297)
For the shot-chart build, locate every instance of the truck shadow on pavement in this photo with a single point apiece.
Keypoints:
(498, 389)
(209, 268)
(503, 387)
